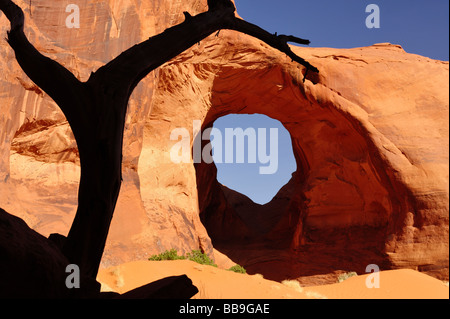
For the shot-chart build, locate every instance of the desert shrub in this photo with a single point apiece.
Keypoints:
(167, 255)
(196, 255)
(199, 257)
(347, 275)
(294, 284)
(315, 295)
(258, 276)
(238, 268)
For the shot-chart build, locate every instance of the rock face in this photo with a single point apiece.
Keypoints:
(372, 179)
(42, 169)
(369, 133)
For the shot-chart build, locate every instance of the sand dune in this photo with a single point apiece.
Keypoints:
(215, 283)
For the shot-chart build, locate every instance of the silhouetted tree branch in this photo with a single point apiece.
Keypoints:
(279, 42)
(96, 109)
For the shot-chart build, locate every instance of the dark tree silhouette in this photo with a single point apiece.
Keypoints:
(96, 109)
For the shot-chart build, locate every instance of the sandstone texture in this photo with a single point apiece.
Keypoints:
(216, 283)
(369, 133)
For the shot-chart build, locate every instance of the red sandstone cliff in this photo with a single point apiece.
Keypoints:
(370, 137)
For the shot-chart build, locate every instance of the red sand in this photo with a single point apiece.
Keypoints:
(215, 283)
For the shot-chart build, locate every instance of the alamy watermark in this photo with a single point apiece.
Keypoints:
(73, 19)
(228, 147)
(73, 279)
(373, 20)
(373, 280)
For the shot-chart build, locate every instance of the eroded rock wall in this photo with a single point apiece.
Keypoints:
(372, 185)
(370, 137)
(39, 166)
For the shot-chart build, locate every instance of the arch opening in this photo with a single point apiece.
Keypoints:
(232, 218)
(253, 155)
(336, 205)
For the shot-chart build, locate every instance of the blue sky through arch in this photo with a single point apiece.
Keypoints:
(246, 177)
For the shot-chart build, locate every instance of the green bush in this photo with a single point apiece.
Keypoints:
(345, 276)
(201, 258)
(195, 255)
(238, 268)
(167, 255)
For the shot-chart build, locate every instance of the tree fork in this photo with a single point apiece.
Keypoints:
(96, 109)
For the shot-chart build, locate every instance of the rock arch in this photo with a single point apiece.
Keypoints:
(337, 190)
(391, 105)
(364, 195)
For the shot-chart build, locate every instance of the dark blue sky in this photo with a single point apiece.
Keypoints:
(420, 27)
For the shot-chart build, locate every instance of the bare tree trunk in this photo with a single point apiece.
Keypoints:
(96, 110)
(101, 176)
